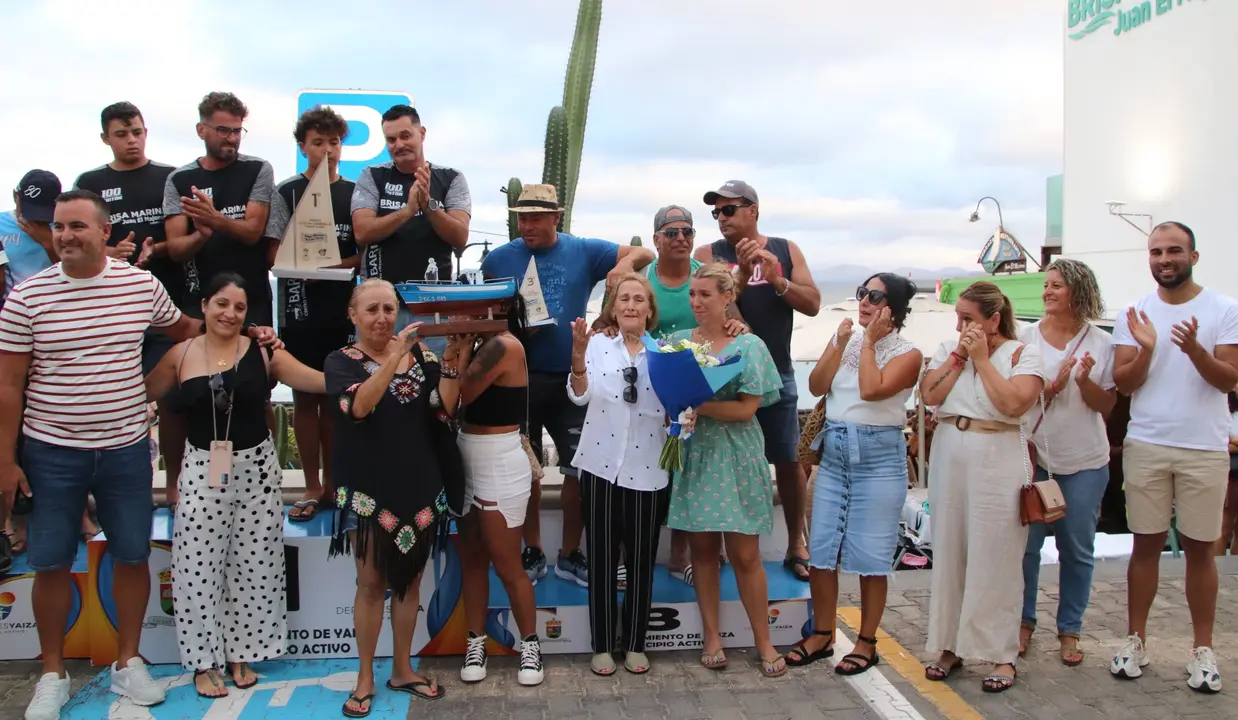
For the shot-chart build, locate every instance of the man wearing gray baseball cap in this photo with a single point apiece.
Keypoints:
(774, 283)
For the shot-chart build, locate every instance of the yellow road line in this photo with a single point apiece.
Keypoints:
(905, 663)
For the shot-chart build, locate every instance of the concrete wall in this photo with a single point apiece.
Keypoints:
(1150, 120)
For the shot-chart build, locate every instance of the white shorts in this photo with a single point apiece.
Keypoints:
(496, 471)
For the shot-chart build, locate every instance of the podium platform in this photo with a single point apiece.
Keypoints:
(321, 592)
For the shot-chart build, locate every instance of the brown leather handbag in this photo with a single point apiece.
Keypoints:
(813, 424)
(1043, 501)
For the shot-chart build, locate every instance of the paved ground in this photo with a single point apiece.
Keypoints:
(679, 688)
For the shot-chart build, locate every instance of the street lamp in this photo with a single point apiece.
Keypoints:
(976, 213)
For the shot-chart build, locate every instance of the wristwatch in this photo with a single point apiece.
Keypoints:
(435, 205)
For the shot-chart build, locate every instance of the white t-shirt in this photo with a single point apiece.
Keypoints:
(1076, 434)
(968, 396)
(1176, 406)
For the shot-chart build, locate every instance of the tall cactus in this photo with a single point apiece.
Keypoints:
(635, 241)
(555, 161)
(513, 190)
(577, 86)
(565, 128)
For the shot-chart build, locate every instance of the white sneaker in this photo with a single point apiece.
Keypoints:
(135, 683)
(1131, 659)
(530, 662)
(1203, 670)
(51, 694)
(474, 669)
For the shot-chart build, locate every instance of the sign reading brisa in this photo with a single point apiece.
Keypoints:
(1084, 17)
(363, 109)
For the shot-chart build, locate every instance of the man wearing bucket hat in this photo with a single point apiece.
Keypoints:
(568, 267)
(774, 283)
(26, 232)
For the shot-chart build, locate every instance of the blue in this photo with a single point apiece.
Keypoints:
(1075, 534)
(363, 111)
(858, 498)
(568, 272)
(26, 257)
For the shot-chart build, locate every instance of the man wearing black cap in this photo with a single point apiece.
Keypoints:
(774, 283)
(26, 232)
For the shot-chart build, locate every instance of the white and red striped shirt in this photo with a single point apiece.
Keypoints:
(85, 338)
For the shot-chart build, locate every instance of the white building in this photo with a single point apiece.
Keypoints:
(1152, 121)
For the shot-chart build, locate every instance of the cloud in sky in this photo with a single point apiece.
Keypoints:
(869, 129)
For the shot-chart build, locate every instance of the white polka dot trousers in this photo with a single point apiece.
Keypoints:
(228, 561)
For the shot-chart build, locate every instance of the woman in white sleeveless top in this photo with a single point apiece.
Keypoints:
(981, 388)
(861, 485)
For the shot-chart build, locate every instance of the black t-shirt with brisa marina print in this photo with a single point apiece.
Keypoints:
(135, 202)
(246, 179)
(313, 303)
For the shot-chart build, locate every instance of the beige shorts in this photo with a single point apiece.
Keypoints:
(1160, 478)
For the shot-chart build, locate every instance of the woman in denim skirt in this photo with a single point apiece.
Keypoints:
(868, 373)
(1071, 441)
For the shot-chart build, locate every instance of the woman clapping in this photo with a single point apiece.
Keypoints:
(624, 492)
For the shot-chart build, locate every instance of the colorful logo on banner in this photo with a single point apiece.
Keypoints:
(165, 591)
(1084, 17)
(7, 600)
(365, 144)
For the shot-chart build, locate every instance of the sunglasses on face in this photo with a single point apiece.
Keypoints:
(728, 210)
(874, 296)
(223, 403)
(673, 233)
(629, 377)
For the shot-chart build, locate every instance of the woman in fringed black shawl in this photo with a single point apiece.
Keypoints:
(394, 480)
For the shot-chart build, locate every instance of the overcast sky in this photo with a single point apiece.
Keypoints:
(869, 129)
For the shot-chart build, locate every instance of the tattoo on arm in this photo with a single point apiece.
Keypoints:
(488, 357)
(940, 380)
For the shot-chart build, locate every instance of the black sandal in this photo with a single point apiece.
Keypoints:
(231, 669)
(367, 701)
(802, 657)
(794, 564)
(995, 683)
(856, 668)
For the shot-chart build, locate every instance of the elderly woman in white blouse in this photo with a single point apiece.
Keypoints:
(1071, 441)
(624, 493)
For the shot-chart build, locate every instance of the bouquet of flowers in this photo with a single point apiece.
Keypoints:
(685, 374)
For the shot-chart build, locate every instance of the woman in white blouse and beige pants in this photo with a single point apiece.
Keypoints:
(981, 389)
(625, 494)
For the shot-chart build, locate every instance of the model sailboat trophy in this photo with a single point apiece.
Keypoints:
(310, 248)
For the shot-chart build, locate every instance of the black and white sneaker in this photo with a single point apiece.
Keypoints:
(530, 662)
(474, 669)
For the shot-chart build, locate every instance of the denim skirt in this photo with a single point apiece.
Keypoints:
(858, 498)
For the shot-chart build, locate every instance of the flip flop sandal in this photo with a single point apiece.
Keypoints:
(216, 682)
(803, 657)
(769, 668)
(870, 661)
(308, 508)
(602, 664)
(999, 683)
(367, 701)
(791, 563)
(936, 672)
(684, 576)
(717, 661)
(247, 670)
(414, 688)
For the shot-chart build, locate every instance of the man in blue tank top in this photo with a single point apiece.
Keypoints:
(774, 283)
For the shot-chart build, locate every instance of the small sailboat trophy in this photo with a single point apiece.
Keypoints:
(310, 246)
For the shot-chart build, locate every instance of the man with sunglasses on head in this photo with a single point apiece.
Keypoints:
(774, 283)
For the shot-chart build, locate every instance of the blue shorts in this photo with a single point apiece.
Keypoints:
(858, 498)
(404, 318)
(60, 480)
(780, 423)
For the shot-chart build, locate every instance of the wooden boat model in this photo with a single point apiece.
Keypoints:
(485, 304)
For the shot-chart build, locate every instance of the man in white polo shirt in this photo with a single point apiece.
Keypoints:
(71, 345)
(1176, 355)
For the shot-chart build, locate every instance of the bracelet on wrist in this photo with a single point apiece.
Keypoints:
(578, 373)
(449, 373)
(786, 285)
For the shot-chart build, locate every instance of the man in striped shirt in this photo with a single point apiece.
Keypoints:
(71, 343)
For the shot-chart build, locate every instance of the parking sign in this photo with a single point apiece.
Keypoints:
(363, 109)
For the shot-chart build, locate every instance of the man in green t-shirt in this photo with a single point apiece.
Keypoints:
(671, 272)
